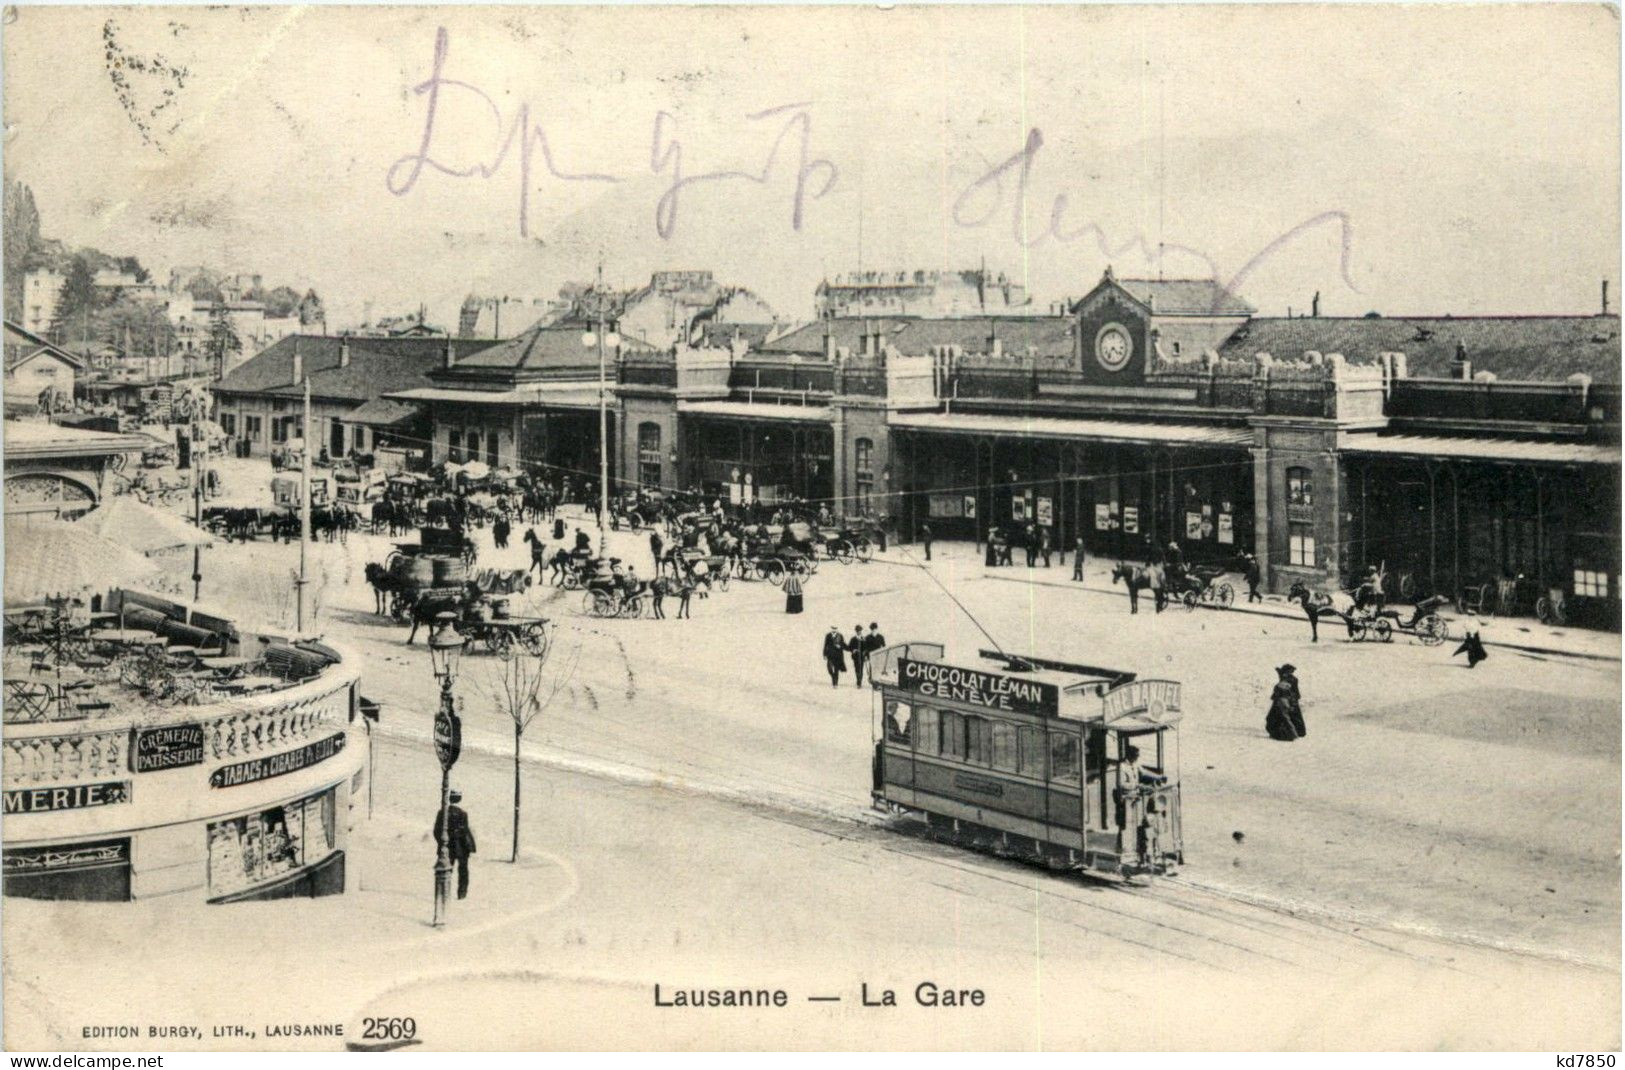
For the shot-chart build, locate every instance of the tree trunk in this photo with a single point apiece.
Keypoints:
(518, 733)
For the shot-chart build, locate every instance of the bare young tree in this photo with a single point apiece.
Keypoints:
(522, 685)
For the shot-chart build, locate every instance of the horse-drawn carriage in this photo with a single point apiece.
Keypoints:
(1202, 584)
(487, 623)
(847, 543)
(1369, 619)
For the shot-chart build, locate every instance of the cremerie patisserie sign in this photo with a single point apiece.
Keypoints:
(230, 776)
(990, 690)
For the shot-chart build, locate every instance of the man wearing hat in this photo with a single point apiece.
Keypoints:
(834, 654)
(462, 840)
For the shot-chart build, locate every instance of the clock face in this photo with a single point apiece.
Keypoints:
(1113, 347)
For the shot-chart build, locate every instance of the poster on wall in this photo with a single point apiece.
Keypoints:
(1131, 519)
(1018, 508)
(970, 507)
(1103, 517)
(1227, 532)
(948, 506)
(1046, 513)
(1193, 525)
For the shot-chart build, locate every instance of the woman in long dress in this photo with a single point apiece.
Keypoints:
(1284, 721)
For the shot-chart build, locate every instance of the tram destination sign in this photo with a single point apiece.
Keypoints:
(229, 776)
(974, 687)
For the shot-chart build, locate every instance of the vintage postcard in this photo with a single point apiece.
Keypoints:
(1067, 527)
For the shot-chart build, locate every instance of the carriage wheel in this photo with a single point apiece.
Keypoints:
(534, 640)
(1407, 587)
(1549, 610)
(1189, 600)
(1382, 630)
(1362, 630)
(773, 572)
(499, 641)
(1432, 630)
(841, 551)
(400, 607)
(1227, 595)
(571, 581)
(721, 575)
(865, 549)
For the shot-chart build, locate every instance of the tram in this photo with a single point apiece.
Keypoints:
(1069, 765)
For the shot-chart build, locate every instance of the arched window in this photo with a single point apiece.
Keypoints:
(649, 455)
(863, 472)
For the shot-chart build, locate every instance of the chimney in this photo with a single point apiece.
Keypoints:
(344, 352)
(1605, 297)
(450, 357)
(829, 343)
(1314, 306)
(298, 364)
(1461, 367)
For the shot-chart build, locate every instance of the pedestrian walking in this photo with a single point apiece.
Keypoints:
(657, 594)
(1473, 647)
(792, 593)
(859, 650)
(992, 547)
(1044, 545)
(500, 532)
(873, 641)
(461, 842)
(1077, 559)
(1254, 575)
(1029, 539)
(925, 537)
(558, 529)
(834, 655)
(1284, 721)
(657, 546)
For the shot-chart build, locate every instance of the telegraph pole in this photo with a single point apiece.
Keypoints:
(304, 519)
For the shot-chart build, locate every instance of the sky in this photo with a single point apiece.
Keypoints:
(1406, 160)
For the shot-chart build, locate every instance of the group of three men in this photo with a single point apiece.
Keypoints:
(860, 646)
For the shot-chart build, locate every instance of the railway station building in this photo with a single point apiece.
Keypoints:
(1457, 453)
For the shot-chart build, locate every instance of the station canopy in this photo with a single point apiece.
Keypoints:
(1087, 430)
(1481, 448)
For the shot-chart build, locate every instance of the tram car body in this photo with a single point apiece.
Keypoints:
(1069, 765)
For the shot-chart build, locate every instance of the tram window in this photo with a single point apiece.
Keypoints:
(953, 734)
(1004, 747)
(1030, 752)
(1094, 753)
(925, 735)
(899, 717)
(1063, 753)
(979, 740)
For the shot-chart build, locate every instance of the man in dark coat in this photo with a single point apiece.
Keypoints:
(925, 537)
(461, 844)
(657, 546)
(1077, 560)
(1254, 575)
(858, 647)
(1473, 647)
(834, 655)
(873, 641)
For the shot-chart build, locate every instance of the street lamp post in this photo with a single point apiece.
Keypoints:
(602, 337)
(445, 651)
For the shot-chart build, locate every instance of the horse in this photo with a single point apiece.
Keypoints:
(1316, 605)
(379, 580)
(1141, 577)
(432, 603)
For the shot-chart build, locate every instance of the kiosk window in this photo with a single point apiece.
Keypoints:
(1063, 753)
(1031, 752)
(925, 736)
(1004, 747)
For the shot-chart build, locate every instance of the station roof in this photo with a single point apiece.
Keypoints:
(573, 394)
(1482, 448)
(750, 411)
(36, 438)
(382, 412)
(1058, 427)
(1518, 348)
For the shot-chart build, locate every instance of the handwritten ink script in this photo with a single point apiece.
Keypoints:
(522, 138)
(980, 202)
(1004, 190)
